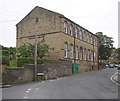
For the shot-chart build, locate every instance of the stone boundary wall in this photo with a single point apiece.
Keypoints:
(53, 70)
(58, 69)
(19, 75)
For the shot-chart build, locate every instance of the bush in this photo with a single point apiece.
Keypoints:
(25, 60)
(22, 61)
(13, 63)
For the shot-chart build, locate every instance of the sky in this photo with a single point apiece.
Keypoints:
(94, 15)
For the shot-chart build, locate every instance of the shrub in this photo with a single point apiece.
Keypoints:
(13, 63)
(25, 60)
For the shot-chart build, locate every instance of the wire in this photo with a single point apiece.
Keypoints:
(2, 21)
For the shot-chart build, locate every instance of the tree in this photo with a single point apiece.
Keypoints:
(105, 46)
(118, 54)
(27, 50)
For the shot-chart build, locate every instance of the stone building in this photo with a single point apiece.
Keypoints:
(69, 40)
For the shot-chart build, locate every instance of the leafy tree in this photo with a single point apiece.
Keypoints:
(23, 51)
(105, 46)
(27, 50)
(118, 54)
(42, 49)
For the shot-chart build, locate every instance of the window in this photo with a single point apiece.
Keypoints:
(76, 32)
(84, 36)
(81, 53)
(71, 30)
(76, 52)
(87, 37)
(95, 42)
(91, 40)
(71, 51)
(65, 27)
(85, 55)
(89, 55)
(81, 36)
(94, 56)
(65, 49)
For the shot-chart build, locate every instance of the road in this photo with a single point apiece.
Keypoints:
(89, 85)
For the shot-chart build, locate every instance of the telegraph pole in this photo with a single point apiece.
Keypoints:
(36, 41)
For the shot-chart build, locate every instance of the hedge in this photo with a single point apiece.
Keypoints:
(22, 61)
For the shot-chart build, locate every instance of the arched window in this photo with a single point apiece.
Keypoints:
(91, 39)
(80, 35)
(71, 30)
(95, 41)
(76, 32)
(84, 36)
(87, 37)
(65, 27)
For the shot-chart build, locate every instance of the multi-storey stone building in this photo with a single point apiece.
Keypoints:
(69, 40)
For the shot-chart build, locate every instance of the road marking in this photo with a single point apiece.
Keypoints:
(25, 97)
(29, 89)
(36, 88)
(114, 80)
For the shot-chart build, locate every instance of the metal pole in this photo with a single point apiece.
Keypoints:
(36, 39)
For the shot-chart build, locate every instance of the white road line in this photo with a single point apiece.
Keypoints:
(27, 91)
(114, 80)
(36, 88)
(25, 97)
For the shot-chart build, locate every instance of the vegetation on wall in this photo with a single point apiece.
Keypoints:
(26, 53)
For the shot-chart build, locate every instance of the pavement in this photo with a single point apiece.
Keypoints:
(4, 85)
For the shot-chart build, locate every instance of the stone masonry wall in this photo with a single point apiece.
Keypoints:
(58, 69)
(20, 75)
(53, 70)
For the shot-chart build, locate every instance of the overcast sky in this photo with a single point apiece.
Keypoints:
(94, 15)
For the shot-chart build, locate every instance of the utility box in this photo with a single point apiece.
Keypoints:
(75, 68)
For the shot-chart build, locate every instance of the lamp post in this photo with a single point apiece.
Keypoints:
(36, 41)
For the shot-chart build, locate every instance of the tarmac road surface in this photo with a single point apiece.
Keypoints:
(89, 85)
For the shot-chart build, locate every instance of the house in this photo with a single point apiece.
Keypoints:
(69, 40)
